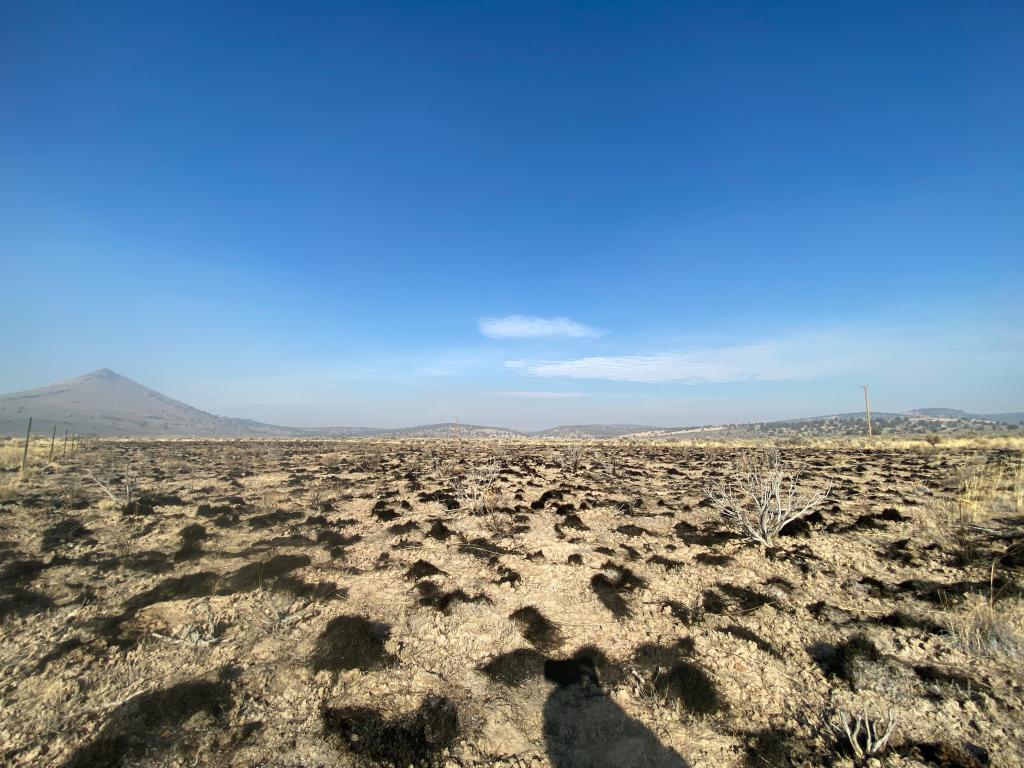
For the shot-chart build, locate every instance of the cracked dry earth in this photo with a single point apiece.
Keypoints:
(308, 603)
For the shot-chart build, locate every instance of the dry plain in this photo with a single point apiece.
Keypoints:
(518, 603)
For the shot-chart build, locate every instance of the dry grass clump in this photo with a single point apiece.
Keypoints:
(988, 626)
(764, 496)
(978, 513)
(12, 450)
(10, 454)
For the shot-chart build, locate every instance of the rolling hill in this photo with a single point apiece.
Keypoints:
(106, 404)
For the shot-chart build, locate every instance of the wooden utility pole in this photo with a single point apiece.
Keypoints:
(867, 408)
(24, 455)
(53, 437)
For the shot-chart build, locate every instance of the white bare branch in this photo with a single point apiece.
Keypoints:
(763, 496)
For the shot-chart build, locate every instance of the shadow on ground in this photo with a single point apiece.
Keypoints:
(584, 728)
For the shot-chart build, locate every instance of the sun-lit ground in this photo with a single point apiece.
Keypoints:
(287, 603)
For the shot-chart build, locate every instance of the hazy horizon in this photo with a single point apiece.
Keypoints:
(517, 215)
(532, 426)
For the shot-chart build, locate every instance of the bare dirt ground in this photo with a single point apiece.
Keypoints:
(308, 603)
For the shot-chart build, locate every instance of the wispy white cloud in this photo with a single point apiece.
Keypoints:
(537, 395)
(527, 327)
(803, 357)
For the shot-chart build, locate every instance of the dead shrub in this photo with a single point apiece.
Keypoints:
(862, 736)
(764, 496)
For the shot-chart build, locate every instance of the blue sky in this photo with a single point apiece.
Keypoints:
(516, 213)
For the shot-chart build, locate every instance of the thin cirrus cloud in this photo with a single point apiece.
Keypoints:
(797, 358)
(528, 327)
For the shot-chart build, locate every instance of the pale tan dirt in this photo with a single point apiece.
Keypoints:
(122, 646)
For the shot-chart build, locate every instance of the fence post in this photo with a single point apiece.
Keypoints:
(24, 455)
(52, 438)
(65, 443)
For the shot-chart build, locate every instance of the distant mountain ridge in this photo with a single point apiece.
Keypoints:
(107, 404)
(1013, 417)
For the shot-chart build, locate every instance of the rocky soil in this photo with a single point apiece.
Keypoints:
(457, 603)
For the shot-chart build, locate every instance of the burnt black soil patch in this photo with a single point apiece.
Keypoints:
(901, 551)
(191, 548)
(804, 526)
(710, 537)
(730, 598)
(540, 631)
(902, 620)
(515, 668)
(870, 522)
(547, 496)
(384, 514)
(432, 596)
(575, 559)
(891, 515)
(418, 739)
(846, 660)
(440, 531)
(319, 590)
(483, 549)
(667, 563)
(942, 684)
(222, 515)
(145, 724)
(64, 532)
(612, 584)
(400, 529)
(572, 521)
(750, 636)
(145, 504)
(352, 642)
(937, 593)
(779, 746)
(270, 519)
(862, 523)
(421, 569)
(677, 679)
(744, 598)
(445, 499)
(706, 558)
(563, 672)
(508, 576)
(652, 656)
(335, 540)
(683, 613)
(942, 755)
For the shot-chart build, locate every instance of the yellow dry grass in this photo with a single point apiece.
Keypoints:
(12, 450)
